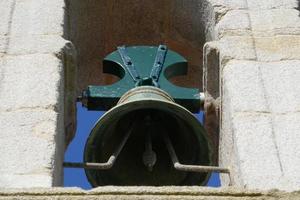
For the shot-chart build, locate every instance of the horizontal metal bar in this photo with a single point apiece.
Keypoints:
(101, 166)
(200, 168)
(191, 168)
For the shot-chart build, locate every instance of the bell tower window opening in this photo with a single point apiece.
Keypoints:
(97, 27)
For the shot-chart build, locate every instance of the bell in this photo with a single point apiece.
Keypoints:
(143, 138)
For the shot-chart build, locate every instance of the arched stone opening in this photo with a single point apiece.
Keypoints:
(97, 27)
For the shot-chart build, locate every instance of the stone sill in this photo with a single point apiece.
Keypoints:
(169, 192)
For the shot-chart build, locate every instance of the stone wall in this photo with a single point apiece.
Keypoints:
(34, 61)
(257, 48)
(153, 193)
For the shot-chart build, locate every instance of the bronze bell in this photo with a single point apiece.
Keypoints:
(144, 138)
(148, 136)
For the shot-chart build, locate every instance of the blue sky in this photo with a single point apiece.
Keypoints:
(74, 153)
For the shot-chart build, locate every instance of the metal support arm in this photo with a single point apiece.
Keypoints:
(190, 168)
(101, 166)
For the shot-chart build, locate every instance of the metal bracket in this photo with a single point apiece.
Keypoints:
(156, 69)
(101, 166)
(159, 62)
(192, 168)
(128, 63)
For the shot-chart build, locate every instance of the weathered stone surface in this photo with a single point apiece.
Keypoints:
(35, 64)
(229, 4)
(265, 86)
(237, 47)
(29, 145)
(40, 17)
(277, 48)
(31, 81)
(260, 103)
(36, 44)
(227, 149)
(264, 49)
(69, 57)
(259, 23)
(242, 83)
(259, 164)
(211, 84)
(259, 54)
(6, 10)
(211, 69)
(287, 137)
(271, 4)
(281, 83)
(254, 4)
(275, 22)
(240, 27)
(22, 180)
(248, 133)
(146, 193)
(3, 44)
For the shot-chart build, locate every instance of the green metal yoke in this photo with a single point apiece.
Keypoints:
(143, 58)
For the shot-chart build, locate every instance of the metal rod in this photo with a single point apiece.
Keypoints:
(101, 166)
(190, 168)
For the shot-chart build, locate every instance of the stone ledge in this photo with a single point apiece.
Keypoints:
(254, 4)
(169, 192)
(259, 23)
(261, 49)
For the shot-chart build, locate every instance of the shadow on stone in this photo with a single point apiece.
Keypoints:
(298, 7)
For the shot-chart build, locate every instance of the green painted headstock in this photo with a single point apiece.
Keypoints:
(139, 66)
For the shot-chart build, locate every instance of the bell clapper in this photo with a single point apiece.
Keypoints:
(149, 156)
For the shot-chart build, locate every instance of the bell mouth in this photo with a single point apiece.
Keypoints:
(147, 111)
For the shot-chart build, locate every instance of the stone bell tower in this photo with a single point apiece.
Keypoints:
(243, 54)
